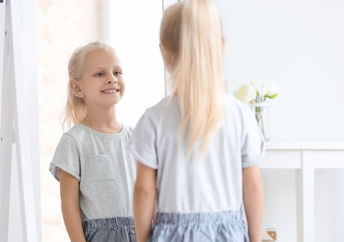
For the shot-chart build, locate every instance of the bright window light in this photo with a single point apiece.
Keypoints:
(133, 31)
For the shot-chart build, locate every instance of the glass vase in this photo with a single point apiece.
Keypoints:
(262, 113)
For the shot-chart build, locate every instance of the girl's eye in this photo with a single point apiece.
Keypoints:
(100, 74)
(117, 73)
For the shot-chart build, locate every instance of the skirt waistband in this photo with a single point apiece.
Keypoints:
(108, 222)
(197, 218)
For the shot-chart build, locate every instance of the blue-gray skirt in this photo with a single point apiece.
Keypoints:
(119, 229)
(199, 227)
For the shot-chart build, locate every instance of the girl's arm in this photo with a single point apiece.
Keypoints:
(254, 201)
(69, 191)
(144, 201)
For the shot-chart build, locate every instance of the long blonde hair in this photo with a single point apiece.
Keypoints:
(191, 32)
(75, 110)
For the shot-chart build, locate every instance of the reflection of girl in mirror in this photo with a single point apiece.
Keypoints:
(95, 172)
(197, 149)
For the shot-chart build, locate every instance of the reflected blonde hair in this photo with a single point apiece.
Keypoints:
(191, 32)
(75, 110)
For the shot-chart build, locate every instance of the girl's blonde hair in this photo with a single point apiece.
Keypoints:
(191, 32)
(75, 110)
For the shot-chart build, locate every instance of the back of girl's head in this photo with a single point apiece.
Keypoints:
(75, 109)
(191, 33)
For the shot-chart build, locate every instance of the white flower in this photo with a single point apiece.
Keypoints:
(246, 93)
(273, 91)
(262, 87)
(265, 89)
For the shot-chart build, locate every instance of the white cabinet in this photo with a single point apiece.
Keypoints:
(305, 158)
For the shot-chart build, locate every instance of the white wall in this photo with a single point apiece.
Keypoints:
(134, 33)
(298, 45)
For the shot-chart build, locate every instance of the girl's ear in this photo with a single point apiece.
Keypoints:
(76, 88)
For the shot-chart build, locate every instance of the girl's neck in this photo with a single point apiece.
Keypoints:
(102, 119)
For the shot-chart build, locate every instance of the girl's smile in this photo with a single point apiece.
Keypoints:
(111, 91)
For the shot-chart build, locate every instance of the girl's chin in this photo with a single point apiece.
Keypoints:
(110, 103)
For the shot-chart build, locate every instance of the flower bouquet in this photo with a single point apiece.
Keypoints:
(257, 94)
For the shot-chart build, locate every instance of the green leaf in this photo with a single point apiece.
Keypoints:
(273, 96)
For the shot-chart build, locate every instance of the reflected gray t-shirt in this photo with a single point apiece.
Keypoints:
(211, 184)
(102, 165)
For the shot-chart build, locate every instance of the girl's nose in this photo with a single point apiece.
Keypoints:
(114, 80)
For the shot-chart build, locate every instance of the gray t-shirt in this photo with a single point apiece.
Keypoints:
(211, 184)
(102, 165)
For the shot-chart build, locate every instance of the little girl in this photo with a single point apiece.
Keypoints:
(198, 149)
(96, 173)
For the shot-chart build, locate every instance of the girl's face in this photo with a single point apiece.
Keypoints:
(102, 83)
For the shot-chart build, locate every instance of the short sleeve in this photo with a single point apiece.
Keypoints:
(142, 144)
(66, 157)
(253, 144)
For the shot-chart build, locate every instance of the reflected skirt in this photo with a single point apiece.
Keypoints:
(118, 229)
